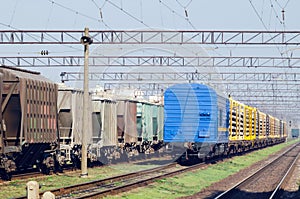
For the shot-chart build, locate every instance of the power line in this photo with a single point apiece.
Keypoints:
(100, 12)
(261, 20)
(14, 11)
(49, 16)
(79, 13)
(185, 7)
(282, 7)
(176, 13)
(276, 15)
(181, 16)
(127, 13)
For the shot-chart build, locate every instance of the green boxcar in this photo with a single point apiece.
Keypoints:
(147, 123)
(295, 133)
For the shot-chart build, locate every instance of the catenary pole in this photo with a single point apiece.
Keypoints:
(86, 41)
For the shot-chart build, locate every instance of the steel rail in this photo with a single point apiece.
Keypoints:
(277, 192)
(69, 189)
(227, 193)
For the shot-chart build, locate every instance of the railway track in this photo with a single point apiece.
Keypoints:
(267, 182)
(32, 174)
(110, 183)
(24, 176)
(67, 170)
(121, 183)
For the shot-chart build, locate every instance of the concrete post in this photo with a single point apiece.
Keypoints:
(48, 195)
(32, 190)
(86, 41)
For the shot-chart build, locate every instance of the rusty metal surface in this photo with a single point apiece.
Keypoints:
(127, 121)
(30, 114)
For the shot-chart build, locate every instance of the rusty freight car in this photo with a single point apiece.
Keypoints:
(29, 122)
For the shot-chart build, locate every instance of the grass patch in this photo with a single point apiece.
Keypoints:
(193, 182)
(17, 188)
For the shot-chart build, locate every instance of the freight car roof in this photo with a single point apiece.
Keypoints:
(20, 69)
(13, 72)
(63, 87)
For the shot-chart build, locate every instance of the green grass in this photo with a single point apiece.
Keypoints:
(17, 188)
(183, 185)
(192, 182)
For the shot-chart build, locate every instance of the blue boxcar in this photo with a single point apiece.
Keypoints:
(195, 114)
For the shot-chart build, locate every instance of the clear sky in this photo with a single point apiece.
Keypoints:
(148, 14)
(142, 14)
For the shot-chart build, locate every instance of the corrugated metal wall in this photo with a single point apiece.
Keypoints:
(104, 122)
(30, 114)
(127, 121)
(70, 111)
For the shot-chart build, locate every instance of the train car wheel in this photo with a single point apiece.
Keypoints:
(44, 170)
(6, 175)
(58, 168)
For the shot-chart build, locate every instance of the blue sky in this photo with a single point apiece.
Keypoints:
(142, 14)
(148, 14)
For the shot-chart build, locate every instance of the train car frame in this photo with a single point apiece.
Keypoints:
(29, 122)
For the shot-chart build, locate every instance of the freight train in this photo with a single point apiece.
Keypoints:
(200, 122)
(41, 124)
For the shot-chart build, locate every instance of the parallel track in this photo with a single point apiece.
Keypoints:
(266, 182)
(121, 183)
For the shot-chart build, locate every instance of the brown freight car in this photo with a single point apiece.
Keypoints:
(29, 121)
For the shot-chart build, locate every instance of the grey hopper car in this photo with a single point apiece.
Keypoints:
(70, 123)
(104, 145)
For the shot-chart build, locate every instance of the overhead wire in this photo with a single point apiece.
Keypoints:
(128, 14)
(263, 23)
(49, 16)
(186, 16)
(282, 22)
(181, 16)
(176, 13)
(101, 13)
(282, 7)
(185, 7)
(14, 12)
(161, 16)
(275, 12)
(78, 13)
(141, 6)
